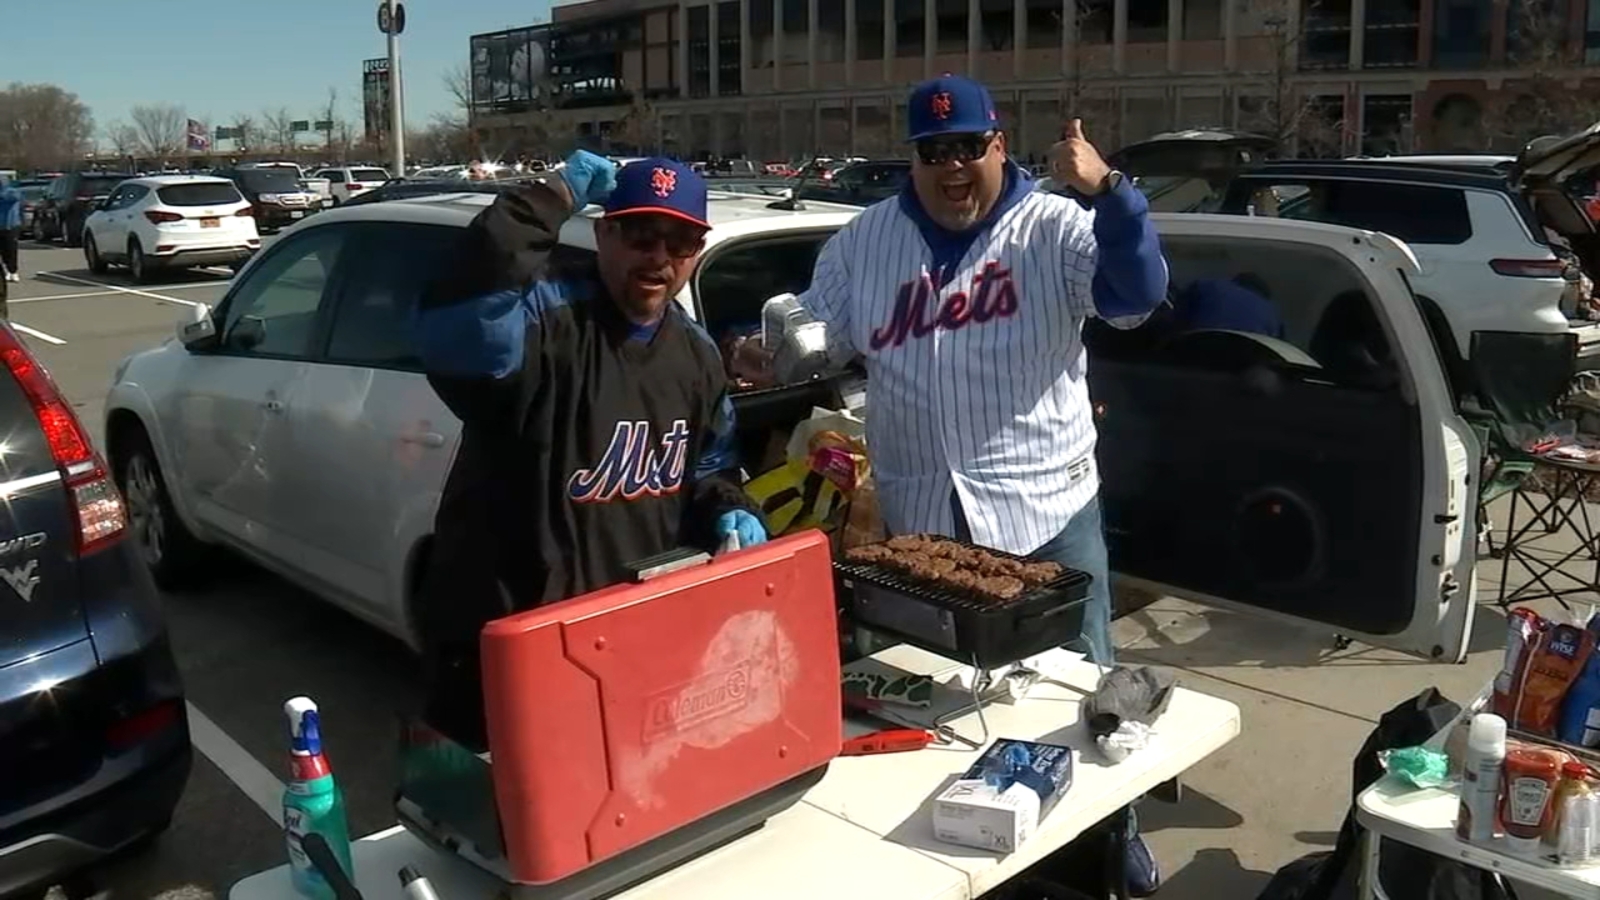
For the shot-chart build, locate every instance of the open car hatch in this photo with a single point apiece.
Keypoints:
(1547, 160)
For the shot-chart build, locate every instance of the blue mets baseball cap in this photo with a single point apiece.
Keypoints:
(950, 104)
(662, 186)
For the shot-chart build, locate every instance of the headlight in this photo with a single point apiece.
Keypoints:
(268, 198)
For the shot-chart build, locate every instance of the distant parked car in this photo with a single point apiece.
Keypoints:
(68, 201)
(275, 194)
(94, 734)
(32, 196)
(346, 184)
(171, 222)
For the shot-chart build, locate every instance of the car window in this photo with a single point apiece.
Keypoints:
(1238, 305)
(135, 193)
(1414, 213)
(330, 174)
(390, 265)
(117, 199)
(273, 312)
(368, 175)
(204, 193)
(733, 285)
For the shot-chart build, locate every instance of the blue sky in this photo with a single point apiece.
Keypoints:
(227, 57)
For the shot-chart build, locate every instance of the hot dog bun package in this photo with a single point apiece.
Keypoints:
(825, 481)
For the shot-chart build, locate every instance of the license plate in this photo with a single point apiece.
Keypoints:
(210, 223)
(297, 214)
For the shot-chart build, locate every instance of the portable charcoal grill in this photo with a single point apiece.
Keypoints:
(987, 633)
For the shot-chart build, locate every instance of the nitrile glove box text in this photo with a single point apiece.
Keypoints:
(974, 813)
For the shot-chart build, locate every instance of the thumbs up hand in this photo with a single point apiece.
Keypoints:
(1075, 162)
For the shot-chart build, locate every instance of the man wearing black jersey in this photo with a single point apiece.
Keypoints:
(597, 429)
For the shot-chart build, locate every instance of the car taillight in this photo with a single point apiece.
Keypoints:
(157, 216)
(102, 518)
(246, 212)
(141, 726)
(1527, 268)
(352, 187)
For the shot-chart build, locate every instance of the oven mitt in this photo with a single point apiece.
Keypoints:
(1127, 696)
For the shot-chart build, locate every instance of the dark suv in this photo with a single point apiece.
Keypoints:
(276, 193)
(68, 203)
(94, 737)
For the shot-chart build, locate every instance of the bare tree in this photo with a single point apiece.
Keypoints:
(1546, 99)
(458, 82)
(244, 132)
(162, 130)
(43, 126)
(277, 129)
(327, 115)
(1276, 105)
(1101, 113)
(123, 138)
(640, 127)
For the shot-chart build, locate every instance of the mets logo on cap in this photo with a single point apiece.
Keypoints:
(663, 181)
(942, 104)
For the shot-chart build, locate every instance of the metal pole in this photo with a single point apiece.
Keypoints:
(397, 117)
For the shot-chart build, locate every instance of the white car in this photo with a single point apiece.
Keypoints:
(292, 422)
(349, 182)
(170, 222)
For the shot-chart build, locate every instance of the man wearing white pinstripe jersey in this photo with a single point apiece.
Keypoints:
(966, 295)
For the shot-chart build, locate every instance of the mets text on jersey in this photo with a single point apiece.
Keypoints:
(918, 311)
(632, 467)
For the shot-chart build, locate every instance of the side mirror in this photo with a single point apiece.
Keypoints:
(249, 333)
(200, 332)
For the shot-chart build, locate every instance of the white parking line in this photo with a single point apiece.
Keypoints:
(47, 338)
(245, 771)
(120, 290)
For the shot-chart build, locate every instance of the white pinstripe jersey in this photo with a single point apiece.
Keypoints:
(983, 387)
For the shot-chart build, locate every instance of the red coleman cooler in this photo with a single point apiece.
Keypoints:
(635, 727)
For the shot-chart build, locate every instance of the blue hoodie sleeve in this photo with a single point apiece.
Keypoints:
(1130, 278)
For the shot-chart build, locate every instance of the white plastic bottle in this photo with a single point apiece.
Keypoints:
(1480, 778)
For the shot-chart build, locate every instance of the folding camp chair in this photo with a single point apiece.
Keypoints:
(1520, 380)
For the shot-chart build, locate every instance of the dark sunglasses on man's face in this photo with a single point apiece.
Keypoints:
(643, 233)
(936, 151)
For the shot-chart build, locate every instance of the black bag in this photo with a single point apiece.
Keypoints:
(1405, 872)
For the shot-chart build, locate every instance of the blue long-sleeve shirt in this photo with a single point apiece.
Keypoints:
(10, 207)
(1130, 277)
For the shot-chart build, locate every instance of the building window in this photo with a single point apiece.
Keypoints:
(1147, 21)
(869, 29)
(761, 38)
(699, 51)
(1385, 124)
(729, 82)
(1096, 21)
(1391, 34)
(1202, 20)
(908, 16)
(1044, 24)
(995, 22)
(830, 31)
(1461, 33)
(952, 28)
(1326, 42)
(796, 22)
(1536, 33)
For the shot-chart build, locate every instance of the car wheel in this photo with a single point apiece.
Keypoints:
(72, 231)
(41, 232)
(138, 268)
(173, 554)
(91, 254)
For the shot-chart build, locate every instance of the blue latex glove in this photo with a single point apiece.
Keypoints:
(749, 528)
(590, 176)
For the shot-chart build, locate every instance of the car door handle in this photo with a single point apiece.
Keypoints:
(272, 406)
(426, 439)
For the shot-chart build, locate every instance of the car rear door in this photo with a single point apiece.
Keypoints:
(371, 441)
(110, 225)
(1321, 475)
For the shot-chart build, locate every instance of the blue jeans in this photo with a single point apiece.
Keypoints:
(1081, 545)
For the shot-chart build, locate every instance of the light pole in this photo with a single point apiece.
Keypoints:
(392, 20)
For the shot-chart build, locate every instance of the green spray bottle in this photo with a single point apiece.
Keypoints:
(312, 802)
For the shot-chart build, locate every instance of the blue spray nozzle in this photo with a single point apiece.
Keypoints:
(305, 729)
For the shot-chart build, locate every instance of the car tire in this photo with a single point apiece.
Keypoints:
(138, 266)
(72, 232)
(174, 556)
(41, 234)
(91, 255)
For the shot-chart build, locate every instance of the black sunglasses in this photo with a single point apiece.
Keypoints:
(643, 233)
(936, 151)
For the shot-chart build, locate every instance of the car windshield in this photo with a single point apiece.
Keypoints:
(99, 184)
(33, 193)
(368, 175)
(270, 180)
(205, 193)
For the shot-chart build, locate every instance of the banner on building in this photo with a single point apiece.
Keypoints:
(199, 141)
(509, 69)
(375, 97)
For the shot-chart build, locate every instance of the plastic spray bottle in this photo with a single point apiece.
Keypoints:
(312, 802)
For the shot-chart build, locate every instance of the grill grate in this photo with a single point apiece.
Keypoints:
(890, 579)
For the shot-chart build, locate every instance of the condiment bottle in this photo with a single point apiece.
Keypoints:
(1574, 781)
(1480, 777)
(1531, 775)
(1579, 827)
